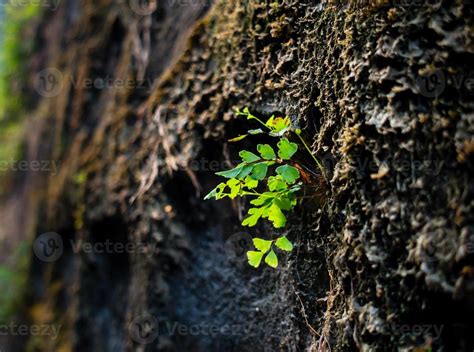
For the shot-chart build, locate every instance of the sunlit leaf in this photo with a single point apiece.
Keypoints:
(271, 259)
(254, 215)
(231, 173)
(239, 138)
(248, 157)
(259, 171)
(262, 245)
(284, 203)
(246, 170)
(279, 124)
(235, 187)
(250, 183)
(289, 173)
(284, 244)
(276, 183)
(254, 258)
(216, 192)
(256, 131)
(266, 151)
(264, 198)
(246, 112)
(286, 149)
(276, 216)
(279, 133)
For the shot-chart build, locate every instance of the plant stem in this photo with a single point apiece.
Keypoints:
(247, 114)
(247, 193)
(311, 153)
(263, 123)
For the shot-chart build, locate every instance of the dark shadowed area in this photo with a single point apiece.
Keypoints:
(115, 116)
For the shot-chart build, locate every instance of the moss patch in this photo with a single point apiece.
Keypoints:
(16, 46)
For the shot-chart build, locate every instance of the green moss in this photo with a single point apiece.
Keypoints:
(15, 49)
(13, 283)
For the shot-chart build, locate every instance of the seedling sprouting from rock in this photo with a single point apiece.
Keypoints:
(272, 194)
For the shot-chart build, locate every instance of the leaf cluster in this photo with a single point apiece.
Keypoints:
(266, 247)
(244, 179)
(268, 178)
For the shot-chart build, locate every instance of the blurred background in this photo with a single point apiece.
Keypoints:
(115, 116)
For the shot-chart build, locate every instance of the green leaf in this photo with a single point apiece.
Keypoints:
(276, 183)
(248, 157)
(262, 245)
(235, 187)
(246, 170)
(272, 259)
(231, 173)
(289, 173)
(216, 192)
(270, 121)
(295, 188)
(284, 244)
(280, 133)
(284, 203)
(265, 211)
(259, 171)
(279, 124)
(276, 216)
(264, 198)
(246, 112)
(257, 131)
(286, 149)
(250, 183)
(254, 258)
(254, 215)
(266, 151)
(239, 138)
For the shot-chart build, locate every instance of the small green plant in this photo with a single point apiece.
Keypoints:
(250, 177)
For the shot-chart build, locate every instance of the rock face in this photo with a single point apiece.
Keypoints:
(139, 116)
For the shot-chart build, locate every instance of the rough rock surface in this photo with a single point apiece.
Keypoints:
(384, 254)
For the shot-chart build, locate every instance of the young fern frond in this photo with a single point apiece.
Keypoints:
(281, 186)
